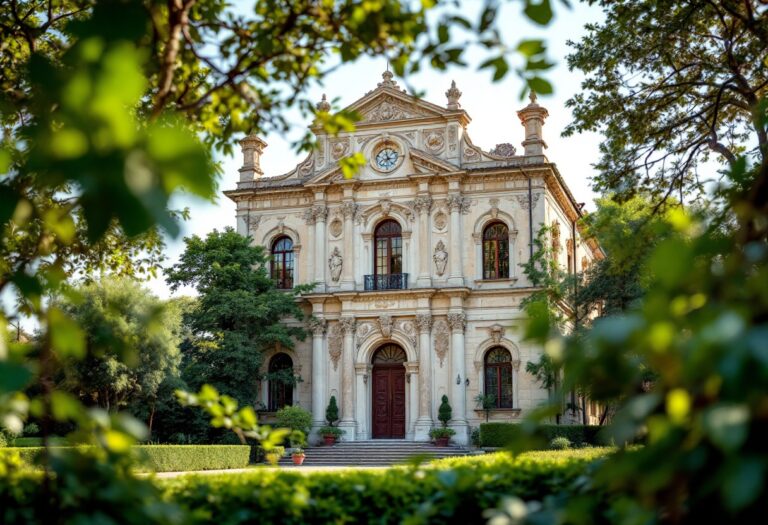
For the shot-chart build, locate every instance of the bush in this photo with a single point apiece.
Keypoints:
(332, 412)
(169, 458)
(38, 441)
(330, 431)
(3, 440)
(501, 434)
(474, 437)
(436, 433)
(295, 418)
(447, 491)
(444, 413)
(560, 443)
(31, 429)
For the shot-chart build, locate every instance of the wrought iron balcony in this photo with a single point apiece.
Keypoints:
(390, 281)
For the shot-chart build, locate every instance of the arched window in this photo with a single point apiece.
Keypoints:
(282, 262)
(388, 250)
(498, 376)
(496, 251)
(280, 381)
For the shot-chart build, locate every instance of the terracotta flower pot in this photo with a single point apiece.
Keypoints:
(298, 459)
(442, 441)
(329, 440)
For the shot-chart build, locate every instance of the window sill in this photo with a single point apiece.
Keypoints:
(508, 411)
(480, 282)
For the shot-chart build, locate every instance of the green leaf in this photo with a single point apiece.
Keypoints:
(727, 425)
(743, 482)
(67, 338)
(9, 198)
(13, 376)
(539, 12)
(540, 86)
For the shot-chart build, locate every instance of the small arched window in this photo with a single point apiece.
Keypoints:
(388, 248)
(496, 251)
(282, 262)
(280, 382)
(498, 376)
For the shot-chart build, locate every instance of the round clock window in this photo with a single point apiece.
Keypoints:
(386, 158)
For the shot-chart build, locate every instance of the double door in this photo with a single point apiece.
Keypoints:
(389, 401)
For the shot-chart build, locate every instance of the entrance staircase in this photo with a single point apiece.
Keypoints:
(377, 452)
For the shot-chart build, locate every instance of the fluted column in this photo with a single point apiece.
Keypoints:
(424, 421)
(347, 379)
(348, 209)
(318, 372)
(458, 321)
(320, 214)
(311, 273)
(423, 205)
(362, 374)
(456, 203)
(412, 377)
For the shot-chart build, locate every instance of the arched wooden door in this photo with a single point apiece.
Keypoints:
(389, 392)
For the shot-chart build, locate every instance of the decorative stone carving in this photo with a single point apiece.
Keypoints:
(363, 331)
(453, 135)
(309, 216)
(386, 207)
(584, 264)
(349, 209)
(335, 227)
(308, 167)
(339, 148)
(442, 340)
(494, 207)
(525, 203)
(453, 94)
(422, 204)
(441, 221)
(496, 332)
(316, 326)
(335, 262)
(433, 140)
(320, 212)
(391, 108)
(335, 341)
(408, 328)
(457, 202)
(471, 154)
(387, 80)
(458, 321)
(252, 222)
(504, 150)
(440, 257)
(385, 325)
(424, 322)
(348, 325)
(555, 233)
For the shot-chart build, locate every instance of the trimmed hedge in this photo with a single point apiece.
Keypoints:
(455, 490)
(501, 434)
(171, 458)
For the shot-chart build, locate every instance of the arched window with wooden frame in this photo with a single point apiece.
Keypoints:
(282, 262)
(498, 377)
(388, 248)
(281, 382)
(496, 251)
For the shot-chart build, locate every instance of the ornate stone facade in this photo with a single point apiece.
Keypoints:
(439, 296)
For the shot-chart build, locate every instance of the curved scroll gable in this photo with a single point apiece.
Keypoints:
(386, 208)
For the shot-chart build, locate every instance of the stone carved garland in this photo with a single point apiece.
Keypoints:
(339, 148)
(385, 325)
(441, 221)
(408, 328)
(335, 341)
(391, 109)
(505, 150)
(442, 340)
(525, 203)
(363, 331)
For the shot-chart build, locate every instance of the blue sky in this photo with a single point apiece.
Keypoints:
(492, 106)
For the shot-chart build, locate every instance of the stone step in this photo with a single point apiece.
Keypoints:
(374, 453)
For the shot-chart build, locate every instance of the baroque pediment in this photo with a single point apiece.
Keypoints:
(386, 108)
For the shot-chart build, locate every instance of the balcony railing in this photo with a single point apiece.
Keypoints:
(390, 281)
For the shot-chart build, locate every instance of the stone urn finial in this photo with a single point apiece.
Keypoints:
(453, 95)
(252, 148)
(324, 105)
(532, 118)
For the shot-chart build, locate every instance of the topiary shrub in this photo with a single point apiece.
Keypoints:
(560, 443)
(502, 434)
(332, 412)
(295, 418)
(444, 413)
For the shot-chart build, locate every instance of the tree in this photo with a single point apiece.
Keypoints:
(118, 315)
(239, 312)
(332, 412)
(670, 85)
(444, 411)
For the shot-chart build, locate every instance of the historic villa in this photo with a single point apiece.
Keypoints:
(417, 260)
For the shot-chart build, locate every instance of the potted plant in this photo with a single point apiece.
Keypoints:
(330, 433)
(274, 454)
(444, 414)
(298, 456)
(487, 402)
(442, 436)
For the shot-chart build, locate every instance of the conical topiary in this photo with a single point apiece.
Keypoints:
(444, 412)
(332, 412)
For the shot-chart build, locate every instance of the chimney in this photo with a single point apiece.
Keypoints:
(532, 117)
(252, 147)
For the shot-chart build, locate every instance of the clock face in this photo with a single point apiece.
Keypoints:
(386, 159)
